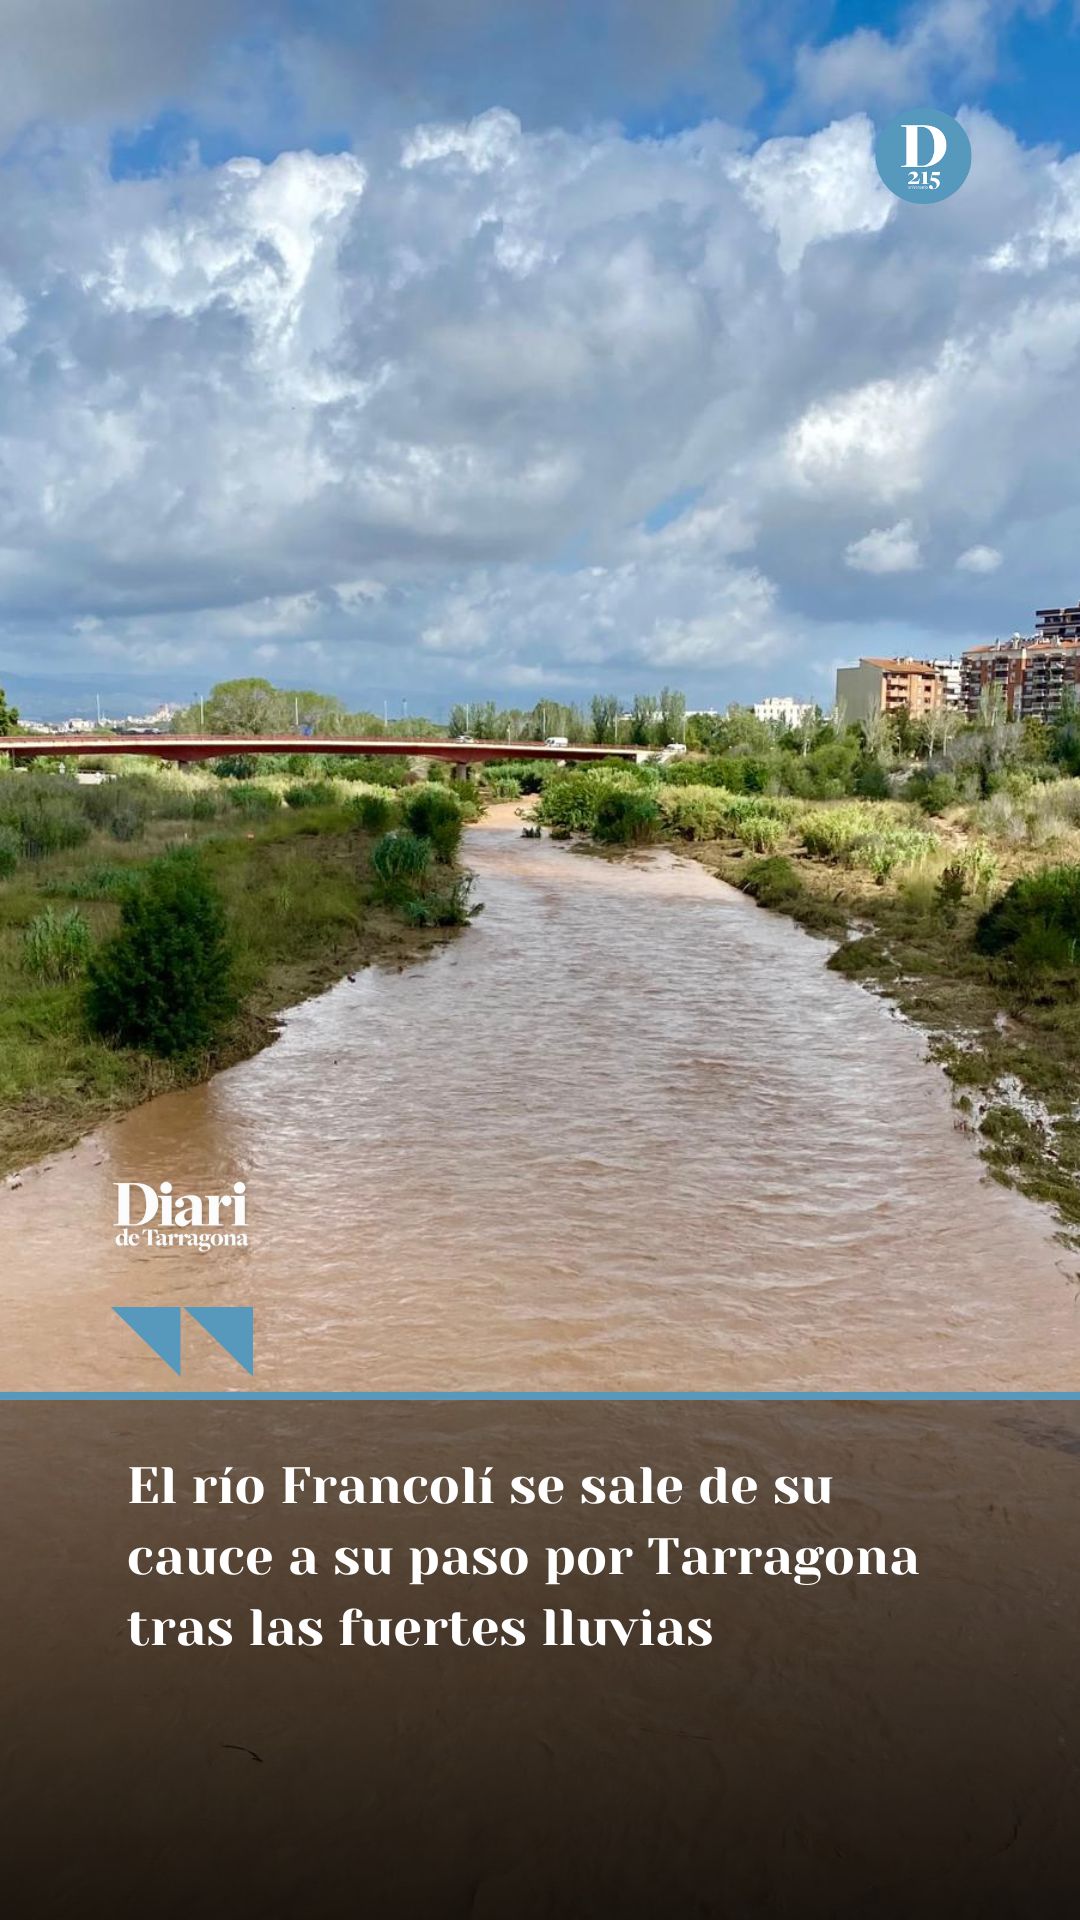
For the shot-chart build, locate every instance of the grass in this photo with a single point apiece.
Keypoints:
(298, 894)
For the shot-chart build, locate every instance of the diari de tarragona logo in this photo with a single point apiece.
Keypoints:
(923, 157)
(149, 1216)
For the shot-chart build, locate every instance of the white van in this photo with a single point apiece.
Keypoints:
(557, 740)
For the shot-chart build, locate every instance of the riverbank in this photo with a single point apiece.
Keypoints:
(1009, 1047)
(904, 896)
(300, 905)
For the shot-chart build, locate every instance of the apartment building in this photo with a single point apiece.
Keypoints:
(781, 710)
(1031, 673)
(950, 673)
(1057, 623)
(890, 686)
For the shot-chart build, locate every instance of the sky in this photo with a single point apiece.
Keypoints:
(426, 352)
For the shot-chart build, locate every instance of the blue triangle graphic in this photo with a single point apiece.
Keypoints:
(158, 1328)
(233, 1328)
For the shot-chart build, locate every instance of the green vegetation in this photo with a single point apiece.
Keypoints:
(56, 946)
(152, 926)
(164, 981)
(254, 706)
(445, 906)
(312, 793)
(626, 817)
(1036, 923)
(434, 813)
(400, 861)
(375, 812)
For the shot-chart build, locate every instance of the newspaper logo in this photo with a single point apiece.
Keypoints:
(923, 157)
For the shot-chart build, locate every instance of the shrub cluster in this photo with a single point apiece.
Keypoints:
(311, 793)
(433, 814)
(257, 803)
(626, 817)
(1036, 923)
(164, 981)
(375, 812)
(43, 814)
(854, 838)
(400, 861)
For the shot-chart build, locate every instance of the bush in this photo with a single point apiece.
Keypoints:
(164, 982)
(568, 803)
(950, 891)
(312, 793)
(258, 803)
(504, 786)
(127, 823)
(236, 766)
(10, 849)
(773, 883)
(1036, 923)
(626, 818)
(46, 811)
(381, 769)
(933, 792)
(445, 907)
(56, 946)
(697, 813)
(120, 807)
(434, 814)
(400, 861)
(871, 781)
(375, 812)
(760, 832)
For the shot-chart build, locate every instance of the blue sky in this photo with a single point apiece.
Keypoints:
(434, 353)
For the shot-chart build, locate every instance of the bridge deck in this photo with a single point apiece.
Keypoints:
(191, 747)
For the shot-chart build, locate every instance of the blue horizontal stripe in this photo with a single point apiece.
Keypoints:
(241, 1397)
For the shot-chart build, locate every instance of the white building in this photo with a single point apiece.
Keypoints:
(780, 710)
(949, 673)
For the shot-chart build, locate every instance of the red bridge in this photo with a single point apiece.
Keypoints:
(184, 747)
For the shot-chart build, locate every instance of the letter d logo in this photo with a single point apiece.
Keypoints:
(939, 146)
(923, 156)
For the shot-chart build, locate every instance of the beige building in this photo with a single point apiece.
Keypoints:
(889, 686)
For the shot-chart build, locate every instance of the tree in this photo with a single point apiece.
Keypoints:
(234, 706)
(164, 982)
(878, 735)
(9, 716)
(807, 731)
(991, 708)
(605, 716)
(1065, 733)
(672, 723)
(643, 719)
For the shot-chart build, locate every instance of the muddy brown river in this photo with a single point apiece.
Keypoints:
(627, 1132)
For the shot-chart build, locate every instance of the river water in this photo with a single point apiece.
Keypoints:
(627, 1132)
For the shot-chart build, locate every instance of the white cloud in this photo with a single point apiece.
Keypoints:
(866, 68)
(445, 386)
(979, 560)
(816, 188)
(885, 550)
